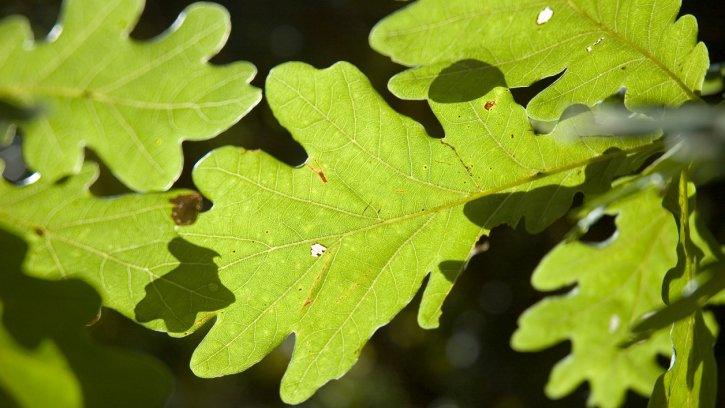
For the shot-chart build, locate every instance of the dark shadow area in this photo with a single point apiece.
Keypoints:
(524, 95)
(36, 311)
(468, 359)
(106, 185)
(601, 231)
(541, 206)
(451, 269)
(465, 81)
(699, 362)
(12, 112)
(192, 288)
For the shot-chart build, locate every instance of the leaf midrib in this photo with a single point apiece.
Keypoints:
(49, 236)
(656, 145)
(617, 36)
(59, 92)
(620, 38)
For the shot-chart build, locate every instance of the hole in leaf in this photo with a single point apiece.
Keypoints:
(601, 231)
(663, 361)
(15, 170)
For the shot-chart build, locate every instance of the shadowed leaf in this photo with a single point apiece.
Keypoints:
(46, 356)
(123, 246)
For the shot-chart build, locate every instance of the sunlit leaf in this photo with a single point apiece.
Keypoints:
(132, 102)
(691, 380)
(599, 45)
(333, 250)
(126, 247)
(616, 282)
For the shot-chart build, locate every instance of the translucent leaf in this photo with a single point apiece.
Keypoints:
(47, 358)
(691, 380)
(132, 102)
(333, 250)
(599, 45)
(126, 247)
(707, 286)
(616, 282)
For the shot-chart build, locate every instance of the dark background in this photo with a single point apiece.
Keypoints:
(465, 363)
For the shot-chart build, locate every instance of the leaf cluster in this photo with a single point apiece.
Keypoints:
(332, 250)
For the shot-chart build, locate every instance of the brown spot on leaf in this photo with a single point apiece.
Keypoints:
(489, 105)
(39, 231)
(319, 172)
(186, 208)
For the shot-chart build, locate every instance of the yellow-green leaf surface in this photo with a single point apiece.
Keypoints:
(47, 358)
(616, 282)
(599, 45)
(126, 247)
(132, 102)
(691, 380)
(333, 250)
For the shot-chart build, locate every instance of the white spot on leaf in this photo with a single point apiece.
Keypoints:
(544, 16)
(614, 322)
(317, 250)
(591, 47)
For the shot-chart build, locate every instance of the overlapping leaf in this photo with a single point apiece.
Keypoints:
(126, 247)
(691, 380)
(46, 356)
(333, 250)
(617, 281)
(600, 45)
(132, 102)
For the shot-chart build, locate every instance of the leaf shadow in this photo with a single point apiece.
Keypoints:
(193, 287)
(451, 269)
(36, 312)
(540, 207)
(700, 360)
(465, 81)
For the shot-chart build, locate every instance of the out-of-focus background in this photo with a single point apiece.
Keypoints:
(465, 363)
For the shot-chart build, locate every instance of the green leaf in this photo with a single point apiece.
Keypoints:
(333, 250)
(706, 287)
(709, 282)
(616, 282)
(132, 102)
(691, 380)
(47, 358)
(126, 247)
(599, 45)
